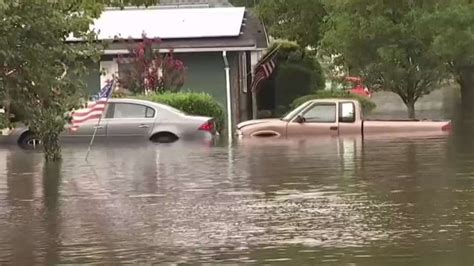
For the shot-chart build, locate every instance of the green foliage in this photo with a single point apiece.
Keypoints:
(451, 24)
(452, 27)
(292, 81)
(192, 103)
(246, 3)
(295, 20)
(295, 54)
(39, 74)
(385, 42)
(4, 123)
(401, 46)
(298, 73)
(142, 68)
(366, 104)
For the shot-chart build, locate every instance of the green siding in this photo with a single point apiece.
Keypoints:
(92, 78)
(205, 73)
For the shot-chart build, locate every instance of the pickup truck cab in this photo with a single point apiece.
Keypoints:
(335, 117)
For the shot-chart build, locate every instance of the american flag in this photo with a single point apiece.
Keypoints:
(94, 108)
(265, 68)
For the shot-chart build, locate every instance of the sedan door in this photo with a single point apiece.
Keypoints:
(319, 119)
(130, 120)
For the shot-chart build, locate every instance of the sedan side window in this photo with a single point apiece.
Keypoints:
(128, 110)
(150, 112)
(321, 113)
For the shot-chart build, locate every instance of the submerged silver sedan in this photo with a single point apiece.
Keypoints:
(130, 119)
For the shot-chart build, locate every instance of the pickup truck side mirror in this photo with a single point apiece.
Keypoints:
(300, 119)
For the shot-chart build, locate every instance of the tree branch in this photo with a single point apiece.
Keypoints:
(63, 75)
(14, 70)
(10, 72)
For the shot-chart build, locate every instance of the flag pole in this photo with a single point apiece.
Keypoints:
(254, 93)
(98, 124)
(268, 55)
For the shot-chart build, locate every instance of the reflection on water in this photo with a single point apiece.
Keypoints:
(373, 202)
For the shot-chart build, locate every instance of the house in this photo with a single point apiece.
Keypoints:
(219, 46)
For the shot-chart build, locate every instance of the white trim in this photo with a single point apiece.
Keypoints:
(229, 99)
(188, 50)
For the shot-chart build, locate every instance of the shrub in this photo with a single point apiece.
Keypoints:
(4, 123)
(192, 103)
(366, 104)
(291, 82)
(146, 60)
(298, 73)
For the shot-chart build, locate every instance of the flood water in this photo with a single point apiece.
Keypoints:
(332, 202)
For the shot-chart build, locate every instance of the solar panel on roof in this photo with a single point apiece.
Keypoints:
(170, 23)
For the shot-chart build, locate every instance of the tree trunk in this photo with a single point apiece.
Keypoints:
(411, 109)
(51, 147)
(466, 81)
(48, 128)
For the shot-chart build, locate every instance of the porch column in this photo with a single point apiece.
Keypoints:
(254, 57)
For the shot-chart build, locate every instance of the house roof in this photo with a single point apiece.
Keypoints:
(183, 28)
(252, 37)
(170, 23)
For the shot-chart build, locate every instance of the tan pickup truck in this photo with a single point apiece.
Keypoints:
(335, 117)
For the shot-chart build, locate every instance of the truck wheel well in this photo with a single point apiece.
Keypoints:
(265, 134)
(164, 137)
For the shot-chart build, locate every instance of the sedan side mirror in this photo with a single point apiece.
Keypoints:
(299, 119)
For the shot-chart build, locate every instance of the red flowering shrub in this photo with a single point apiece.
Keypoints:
(145, 69)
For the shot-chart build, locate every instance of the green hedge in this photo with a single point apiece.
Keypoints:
(192, 103)
(366, 104)
(3, 121)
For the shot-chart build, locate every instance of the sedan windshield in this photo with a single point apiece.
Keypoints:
(288, 116)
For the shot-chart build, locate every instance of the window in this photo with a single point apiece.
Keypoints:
(288, 116)
(128, 110)
(321, 113)
(150, 112)
(346, 113)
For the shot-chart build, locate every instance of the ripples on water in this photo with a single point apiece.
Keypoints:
(346, 201)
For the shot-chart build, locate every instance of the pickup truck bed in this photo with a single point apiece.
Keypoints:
(409, 125)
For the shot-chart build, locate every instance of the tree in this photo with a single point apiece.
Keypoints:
(452, 27)
(246, 3)
(386, 43)
(39, 69)
(299, 73)
(295, 20)
(150, 71)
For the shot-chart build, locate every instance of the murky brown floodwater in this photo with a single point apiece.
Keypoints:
(350, 202)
